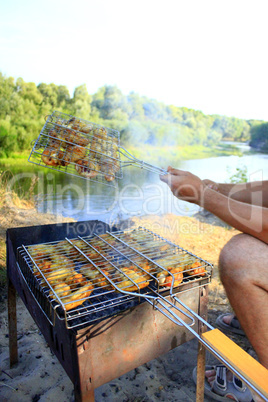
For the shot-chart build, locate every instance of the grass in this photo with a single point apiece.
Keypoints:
(2, 261)
(10, 199)
(7, 196)
(15, 159)
(168, 155)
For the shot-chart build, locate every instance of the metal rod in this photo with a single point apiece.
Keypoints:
(192, 312)
(161, 300)
(140, 163)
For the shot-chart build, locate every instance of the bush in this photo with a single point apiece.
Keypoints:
(240, 176)
(7, 141)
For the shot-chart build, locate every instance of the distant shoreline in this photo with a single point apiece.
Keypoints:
(151, 153)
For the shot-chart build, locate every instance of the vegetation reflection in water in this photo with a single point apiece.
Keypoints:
(139, 192)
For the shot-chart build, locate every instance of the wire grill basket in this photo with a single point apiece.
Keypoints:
(79, 278)
(80, 148)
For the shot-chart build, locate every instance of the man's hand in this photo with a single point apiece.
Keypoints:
(184, 185)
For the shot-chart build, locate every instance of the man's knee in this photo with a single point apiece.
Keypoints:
(234, 260)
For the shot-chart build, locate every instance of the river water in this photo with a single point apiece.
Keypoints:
(138, 193)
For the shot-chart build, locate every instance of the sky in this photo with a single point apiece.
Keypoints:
(209, 55)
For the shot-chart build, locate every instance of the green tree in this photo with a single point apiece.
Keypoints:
(63, 96)
(108, 100)
(7, 87)
(136, 110)
(49, 94)
(28, 91)
(176, 114)
(259, 137)
(23, 106)
(7, 142)
(81, 102)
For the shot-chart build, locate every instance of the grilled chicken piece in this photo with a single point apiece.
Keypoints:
(87, 167)
(126, 282)
(74, 153)
(78, 297)
(95, 275)
(166, 280)
(109, 167)
(60, 275)
(61, 289)
(196, 268)
(70, 250)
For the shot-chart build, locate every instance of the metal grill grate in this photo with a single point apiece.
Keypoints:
(86, 277)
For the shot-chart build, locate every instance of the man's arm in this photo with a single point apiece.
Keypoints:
(250, 219)
(255, 192)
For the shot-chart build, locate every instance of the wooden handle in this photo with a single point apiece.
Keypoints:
(245, 364)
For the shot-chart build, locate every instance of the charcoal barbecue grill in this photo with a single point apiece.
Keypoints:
(80, 148)
(122, 323)
(121, 330)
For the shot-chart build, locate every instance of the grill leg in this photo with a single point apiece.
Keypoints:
(200, 380)
(201, 357)
(12, 324)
